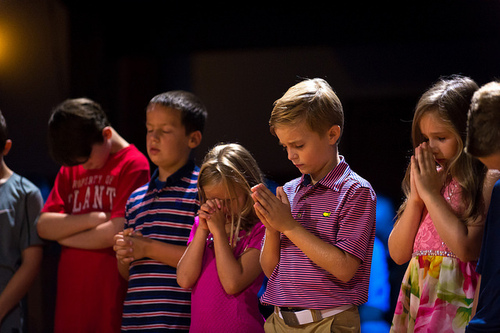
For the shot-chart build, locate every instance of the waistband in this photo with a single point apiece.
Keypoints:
(299, 316)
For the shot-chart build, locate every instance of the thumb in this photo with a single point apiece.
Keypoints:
(281, 195)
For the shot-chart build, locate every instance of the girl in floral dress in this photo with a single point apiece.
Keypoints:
(439, 226)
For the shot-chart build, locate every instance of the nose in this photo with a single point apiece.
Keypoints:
(154, 135)
(433, 146)
(292, 154)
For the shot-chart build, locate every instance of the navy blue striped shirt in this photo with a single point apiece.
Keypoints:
(162, 211)
(339, 209)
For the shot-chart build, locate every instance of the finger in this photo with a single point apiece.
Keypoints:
(281, 195)
(264, 196)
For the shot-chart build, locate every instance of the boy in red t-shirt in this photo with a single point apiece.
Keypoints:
(84, 211)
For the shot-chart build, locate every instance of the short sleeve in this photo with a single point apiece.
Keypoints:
(357, 223)
(193, 229)
(256, 236)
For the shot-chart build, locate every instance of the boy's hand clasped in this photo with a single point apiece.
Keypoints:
(273, 210)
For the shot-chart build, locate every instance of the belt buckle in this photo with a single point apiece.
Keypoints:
(289, 317)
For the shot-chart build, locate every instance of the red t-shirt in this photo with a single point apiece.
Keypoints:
(90, 291)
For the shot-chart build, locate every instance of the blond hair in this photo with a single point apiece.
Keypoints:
(233, 167)
(312, 100)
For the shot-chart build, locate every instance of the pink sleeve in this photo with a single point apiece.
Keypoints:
(257, 235)
(193, 229)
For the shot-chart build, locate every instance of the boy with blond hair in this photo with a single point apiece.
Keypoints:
(320, 227)
(483, 142)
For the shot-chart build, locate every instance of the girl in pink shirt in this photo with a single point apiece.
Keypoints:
(221, 262)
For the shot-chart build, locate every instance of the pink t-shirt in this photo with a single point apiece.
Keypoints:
(212, 310)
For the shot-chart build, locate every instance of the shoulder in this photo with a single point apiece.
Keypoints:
(292, 184)
(132, 153)
(24, 185)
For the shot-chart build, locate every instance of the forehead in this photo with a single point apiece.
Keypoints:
(294, 132)
(430, 122)
(164, 114)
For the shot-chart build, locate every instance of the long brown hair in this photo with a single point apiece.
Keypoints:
(449, 100)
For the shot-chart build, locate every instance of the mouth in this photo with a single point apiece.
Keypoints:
(154, 151)
(440, 161)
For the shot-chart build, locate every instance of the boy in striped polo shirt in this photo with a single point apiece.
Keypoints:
(320, 227)
(160, 215)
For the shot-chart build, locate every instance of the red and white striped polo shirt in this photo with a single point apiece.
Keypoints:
(339, 209)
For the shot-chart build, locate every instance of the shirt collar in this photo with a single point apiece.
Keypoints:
(332, 179)
(157, 184)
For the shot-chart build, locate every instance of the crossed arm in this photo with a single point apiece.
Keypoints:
(86, 231)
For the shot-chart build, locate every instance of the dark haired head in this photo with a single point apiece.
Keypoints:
(75, 126)
(193, 112)
(3, 132)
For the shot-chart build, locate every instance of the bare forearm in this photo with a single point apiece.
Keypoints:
(189, 266)
(56, 226)
(99, 237)
(234, 274)
(402, 237)
(329, 257)
(21, 281)
(123, 269)
(168, 254)
(270, 254)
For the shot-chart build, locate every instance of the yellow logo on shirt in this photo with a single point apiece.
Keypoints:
(326, 214)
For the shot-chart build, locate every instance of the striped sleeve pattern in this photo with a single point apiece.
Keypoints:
(154, 300)
(340, 210)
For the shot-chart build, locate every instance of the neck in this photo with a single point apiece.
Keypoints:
(5, 172)
(117, 142)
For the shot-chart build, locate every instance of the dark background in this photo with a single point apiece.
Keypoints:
(379, 58)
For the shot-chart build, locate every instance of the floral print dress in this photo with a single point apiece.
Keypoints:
(438, 288)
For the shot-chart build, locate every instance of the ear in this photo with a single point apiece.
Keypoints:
(194, 139)
(6, 149)
(334, 134)
(107, 133)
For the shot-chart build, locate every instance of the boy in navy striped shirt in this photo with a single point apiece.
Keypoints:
(159, 217)
(320, 227)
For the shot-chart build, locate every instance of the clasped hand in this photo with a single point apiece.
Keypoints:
(273, 210)
(425, 178)
(129, 245)
(212, 216)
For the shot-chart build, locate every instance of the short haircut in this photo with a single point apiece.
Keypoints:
(3, 132)
(193, 111)
(483, 126)
(75, 126)
(312, 100)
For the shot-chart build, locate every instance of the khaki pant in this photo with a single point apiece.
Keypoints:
(345, 322)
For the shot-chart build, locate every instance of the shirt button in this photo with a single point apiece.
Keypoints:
(299, 215)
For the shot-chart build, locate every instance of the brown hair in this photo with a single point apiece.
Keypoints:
(312, 100)
(449, 99)
(483, 128)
